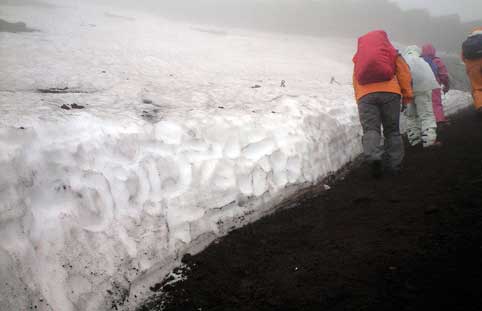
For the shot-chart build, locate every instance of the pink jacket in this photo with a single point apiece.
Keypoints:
(443, 75)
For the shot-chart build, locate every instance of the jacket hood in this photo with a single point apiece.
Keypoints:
(428, 50)
(412, 50)
(476, 31)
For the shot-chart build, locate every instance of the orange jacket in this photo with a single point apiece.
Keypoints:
(474, 71)
(400, 84)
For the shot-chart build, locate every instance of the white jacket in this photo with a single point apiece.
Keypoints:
(422, 75)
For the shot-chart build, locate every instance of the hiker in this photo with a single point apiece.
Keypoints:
(441, 74)
(472, 57)
(381, 80)
(421, 124)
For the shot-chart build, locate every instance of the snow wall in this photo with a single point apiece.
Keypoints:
(179, 141)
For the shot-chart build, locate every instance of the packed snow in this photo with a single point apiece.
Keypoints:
(170, 136)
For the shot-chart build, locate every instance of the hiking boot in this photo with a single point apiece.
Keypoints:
(376, 169)
(418, 146)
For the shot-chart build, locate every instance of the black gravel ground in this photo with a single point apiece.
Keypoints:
(411, 242)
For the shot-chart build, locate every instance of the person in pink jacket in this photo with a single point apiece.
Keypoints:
(442, 75)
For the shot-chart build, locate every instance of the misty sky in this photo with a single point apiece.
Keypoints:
(467, 9)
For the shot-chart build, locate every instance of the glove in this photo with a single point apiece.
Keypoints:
(404, 107)
(407, 100)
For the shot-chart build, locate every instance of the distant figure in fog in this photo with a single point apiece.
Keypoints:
(441, 74)
(421, 124)
(472, 57)
(381, 80)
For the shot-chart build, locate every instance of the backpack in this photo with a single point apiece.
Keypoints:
(375, 58)
(472, 47)
(432, 64)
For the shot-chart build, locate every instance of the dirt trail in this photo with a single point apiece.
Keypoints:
(412, 242)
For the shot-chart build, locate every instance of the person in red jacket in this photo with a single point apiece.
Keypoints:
(442, 76)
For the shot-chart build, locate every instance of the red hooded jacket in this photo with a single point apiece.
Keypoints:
(429, 51)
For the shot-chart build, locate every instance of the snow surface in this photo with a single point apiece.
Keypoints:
(455, 100)
(173, 149)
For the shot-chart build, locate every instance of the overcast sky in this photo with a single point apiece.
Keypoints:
(467, 9)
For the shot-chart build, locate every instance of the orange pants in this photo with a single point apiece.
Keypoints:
(474, 71)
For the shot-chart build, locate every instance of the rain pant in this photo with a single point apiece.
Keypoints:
(421, 123)
(442, 76)
(474, 71)
(378, 110)
(437, 106)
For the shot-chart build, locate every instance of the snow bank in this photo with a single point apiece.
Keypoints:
(88, 205)
(452, 102)
(175, 145)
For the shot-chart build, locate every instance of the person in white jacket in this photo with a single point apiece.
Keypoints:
(421, 124)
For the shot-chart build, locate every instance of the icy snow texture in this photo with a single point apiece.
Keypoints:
(455, 100)
(173, 149)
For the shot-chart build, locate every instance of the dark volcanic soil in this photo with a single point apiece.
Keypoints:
(412, 242)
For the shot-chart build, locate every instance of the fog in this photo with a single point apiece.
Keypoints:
(467, 9)
(347, 18)
(442, 22)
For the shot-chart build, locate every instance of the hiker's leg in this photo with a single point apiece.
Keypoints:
(413, 125)
(427, 117)
(394, 150)
(437, 106)
(370, 119)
